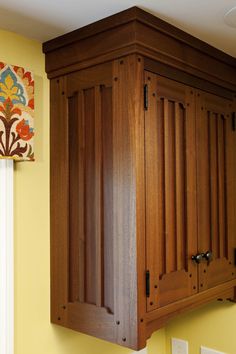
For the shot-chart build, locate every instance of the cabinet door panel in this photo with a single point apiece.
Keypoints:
(171, 222)
(216, 188)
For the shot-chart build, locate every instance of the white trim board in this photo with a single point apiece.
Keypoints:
(6, 258)
(143, 351)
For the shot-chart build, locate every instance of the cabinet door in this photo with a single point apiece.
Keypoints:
(216, 173)
(171, 217)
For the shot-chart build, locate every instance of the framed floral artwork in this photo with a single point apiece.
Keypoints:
(16, 113)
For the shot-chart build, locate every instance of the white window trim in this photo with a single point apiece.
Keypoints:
(6, 258)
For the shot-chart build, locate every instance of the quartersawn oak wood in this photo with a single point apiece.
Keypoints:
(171, 206)
(215, 145)
(135, 189)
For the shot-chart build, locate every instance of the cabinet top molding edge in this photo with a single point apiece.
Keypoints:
(135, 31)
(136, 14)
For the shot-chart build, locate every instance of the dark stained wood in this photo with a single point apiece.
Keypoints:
(213, 146)
(135, 31)
(74, 195)
(131, 14)
(82, 194)
(186, 78)
(171, 215)
(154, 152)
(180, 166)
(231, 183)
(81, 198)
(140, 200)
(91, 319)
(126, 164)
(98, 203)
(160, 317)
(59, 199)
(135, 189)
(107, 151)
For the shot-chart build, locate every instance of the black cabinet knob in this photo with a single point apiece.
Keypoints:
(208, 256)
(197, 258)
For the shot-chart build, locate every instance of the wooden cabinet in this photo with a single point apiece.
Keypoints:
(143, 176)
(189, 144)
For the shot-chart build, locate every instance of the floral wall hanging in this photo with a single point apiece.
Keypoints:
(16, 113)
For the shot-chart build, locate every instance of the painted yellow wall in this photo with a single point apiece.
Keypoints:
(213, 326)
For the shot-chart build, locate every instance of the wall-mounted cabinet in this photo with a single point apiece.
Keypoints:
(143, 176)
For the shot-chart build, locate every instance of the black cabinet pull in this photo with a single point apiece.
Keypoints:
(208, 256)
(198, 258)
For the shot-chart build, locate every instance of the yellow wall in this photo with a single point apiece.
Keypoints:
(215, 326)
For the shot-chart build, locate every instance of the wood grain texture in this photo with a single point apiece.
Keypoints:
(214, 169)
(59, 198)
(81, 203)
(138, 32)
(125, 159)
(160, 317)
(133, 189)
(171, 215)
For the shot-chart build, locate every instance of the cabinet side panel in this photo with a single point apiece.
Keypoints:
(91, 195)
(81, 202)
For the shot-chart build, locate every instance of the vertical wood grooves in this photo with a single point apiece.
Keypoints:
(164, 270)
(73, 131)
(107, 197)
(218, 186)
(222, 190)
(173, 121)
(162, 189)
(225, 186)
(82, 196)
(91, 282)
(90, 130)
(85, 197)
(210, 173)
(213, 204)
(170, 147)
(98, 195)
(185, 245)
(180, 185)
(170, 195)
(165, 120)
(177, 184)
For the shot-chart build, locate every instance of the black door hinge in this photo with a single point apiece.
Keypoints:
(146, 97)
(147, 283)
(233, 121)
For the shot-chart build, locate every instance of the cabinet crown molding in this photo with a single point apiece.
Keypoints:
(137, 31)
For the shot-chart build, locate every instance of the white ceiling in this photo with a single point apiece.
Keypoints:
(46, 19)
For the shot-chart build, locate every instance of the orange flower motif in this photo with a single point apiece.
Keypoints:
(24, 130)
